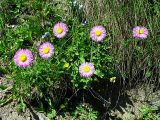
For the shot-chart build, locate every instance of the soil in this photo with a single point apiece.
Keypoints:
(137, 98)
(8, 112)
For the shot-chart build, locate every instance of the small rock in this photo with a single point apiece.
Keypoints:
(42, 116)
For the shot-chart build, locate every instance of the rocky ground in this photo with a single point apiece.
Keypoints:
(138, 98)
(128, 111)
(8, 112)
(8, 108)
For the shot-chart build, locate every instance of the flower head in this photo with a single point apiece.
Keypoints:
(140, 32)
(23, 58)
(46, 50)
(98, 33)
(66, 65)
(86, 70)
(60, 30)
(113, 79)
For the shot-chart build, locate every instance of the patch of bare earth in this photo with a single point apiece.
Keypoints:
(8, 108)
(138, 98)
(125, 110)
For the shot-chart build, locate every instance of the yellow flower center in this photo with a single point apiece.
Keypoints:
(86, 69)
(46, 50)
(140, 31)
(23, 57)
(98, 33)
(59, 30)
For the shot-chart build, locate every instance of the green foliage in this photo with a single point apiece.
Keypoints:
(22, 25)
(149, 113)
(75, 49)
(21, 106)
(82, 112)
(38, 78)
(85, 112)
(51, 114)
(82, 49)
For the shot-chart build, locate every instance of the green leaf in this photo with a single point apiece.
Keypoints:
(148, 74)
(99, 73)
(82, 59)
(51, 114)
(2, 87)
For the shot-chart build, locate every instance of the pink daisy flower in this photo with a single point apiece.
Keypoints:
(60, 30)
(46, 50)
(140, 32)
(23, 58)
(98, 33)
(86, 70)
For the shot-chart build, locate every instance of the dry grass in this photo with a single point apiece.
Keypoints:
(136, 62)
